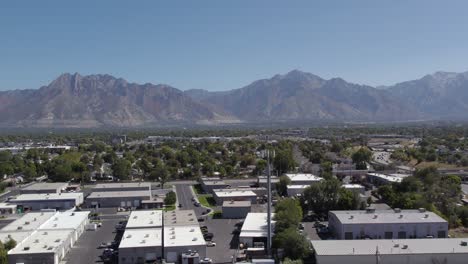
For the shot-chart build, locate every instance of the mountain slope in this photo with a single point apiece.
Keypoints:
(304, 96)
(96, 100)
(441, 95)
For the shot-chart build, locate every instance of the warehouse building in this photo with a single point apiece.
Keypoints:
(224, 195)
(414, 251)
(180, 218)
(255, 229)
(236, 209)
(144, 219)
(122, 187)
(57, 201)
(386, 224)
(7, 209)
(45, 187)
(296, 189)
(355, 188)
(381, 179)
(42, 247)
(208, 184)
(43, 237)
(302, 178)
(262, 181)
(117, 198)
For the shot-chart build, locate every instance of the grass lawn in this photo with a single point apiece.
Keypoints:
(207, 200)
(168, 208)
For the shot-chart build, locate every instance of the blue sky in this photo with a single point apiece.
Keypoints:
(219, 45)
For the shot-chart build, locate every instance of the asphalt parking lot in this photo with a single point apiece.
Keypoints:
(226, 242)
(86, 249)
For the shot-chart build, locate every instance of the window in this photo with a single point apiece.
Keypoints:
(348, 235)
(388, 235)
(401, 234)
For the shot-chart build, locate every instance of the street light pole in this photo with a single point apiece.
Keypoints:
(269, 205)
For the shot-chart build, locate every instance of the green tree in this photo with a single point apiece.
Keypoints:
(170, 198)
(121, 169)
(282, 185)
(288, 214)
(295, 245)
(3, 254)
(284, 161)
(290, 261)
(361, 157)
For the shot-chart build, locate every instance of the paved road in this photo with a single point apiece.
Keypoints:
(184, 197)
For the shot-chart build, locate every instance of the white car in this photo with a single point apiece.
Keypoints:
(206, 261)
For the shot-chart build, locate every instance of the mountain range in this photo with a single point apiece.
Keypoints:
(73, 100)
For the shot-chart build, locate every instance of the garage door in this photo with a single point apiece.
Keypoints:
(129, 203)
(150, 256)
(136, 203)
(122, 204)
(171, 256)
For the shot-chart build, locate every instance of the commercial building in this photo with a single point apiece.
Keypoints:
(414, 251)
(380, 179)
(236, 209)
(223, 195)
(142, 240)
(209, 184)
(386, 224)
(7, 209)
(117, 198)
(122, 187)
(43, 237)
(296, 189)
(58, 201)
(302, 178)
(45, 187)
(355, 188)
(262, 181)
(255, 229)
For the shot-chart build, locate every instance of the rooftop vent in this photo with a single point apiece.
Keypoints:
(57, 240)
(422, 210)
(192, 230)
(36, 241)
(404, 247)
(142, 241)
(26, 248)
(194, 239)
(45, 233)
(426, 216)
(464, 243)
(35, 219)
(50, 248)
(375, 216)
(129, 236)
(370, 210)
(172, 237)
(44, 246)
(146, 235)
(396, 245)
(19, 227)
(401, 216)
(351, 216)
(26, 223)
(397, 210)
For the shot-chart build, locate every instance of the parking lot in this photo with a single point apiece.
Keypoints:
(87, 250)
(226, 242)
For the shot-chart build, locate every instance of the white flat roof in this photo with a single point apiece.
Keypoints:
(46, 196)
(145, 237)
(255, 225)
(387, 216)
(234, 193)
(43, 241)
(119, 194)
(7, 205)
(353, 186)
(303, 177)
(297, 186)
(145, 219)
(41, 186)
(29, 221)
(18, 236)
(122, 185)
(389, 246)
(237, 204)
(178, 236)
(65, 220)
(386, 177)
(180, 218)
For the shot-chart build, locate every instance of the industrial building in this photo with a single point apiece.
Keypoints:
(209, 184)
(117, 198)
(355, 188)
(414, 251)
(223, 195)
(296, 189)
(255, 229)
(302, 178)
(7, 209)
(45, 187)
(43, 237)
(386, 224)
(236, 209)
(122, 187)
(142, 239)
(380, 179)
(262, 181)
(58, 201)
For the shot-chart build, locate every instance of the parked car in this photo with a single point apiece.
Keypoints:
(201, 219)
(210, 244)
(197, 204)
(206, 261)
(105, 244)
(301, 226)
(180, 205)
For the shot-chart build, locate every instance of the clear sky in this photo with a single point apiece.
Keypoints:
(219, 45)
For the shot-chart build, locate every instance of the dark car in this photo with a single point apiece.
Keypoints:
(201, 219)
(180, 205)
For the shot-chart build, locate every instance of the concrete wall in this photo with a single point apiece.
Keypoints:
(115, 201)
(132, 255)
(378, 230)
(236, 212)
(455, 258)
(34, 258)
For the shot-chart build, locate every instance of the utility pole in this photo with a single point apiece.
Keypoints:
(269, 205)
(162, 235)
